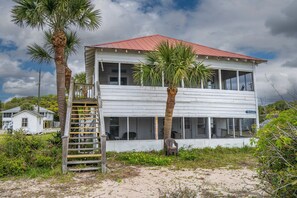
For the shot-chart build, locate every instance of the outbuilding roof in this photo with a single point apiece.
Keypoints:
(27, 111)
(18, 109)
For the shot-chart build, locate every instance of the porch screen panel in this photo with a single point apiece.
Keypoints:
(108, 73)
(213, 82)
(127, 74)
(246, 81)
(229, 80)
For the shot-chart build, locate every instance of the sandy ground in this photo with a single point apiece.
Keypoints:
(140, 182)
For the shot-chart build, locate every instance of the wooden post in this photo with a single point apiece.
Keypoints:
(220, 79)
(233, 124)
(209, 127)
(156, 128)
(237, 78)
(240, 126)
(128, 129)
(119, 78)
(64, 153)
(183, 128)
(103, 154)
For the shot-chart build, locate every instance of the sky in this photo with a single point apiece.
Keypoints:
(265, 29)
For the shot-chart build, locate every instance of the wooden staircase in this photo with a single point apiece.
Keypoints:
(82, 148)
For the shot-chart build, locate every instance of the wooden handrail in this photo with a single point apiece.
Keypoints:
(102, 129)
(65, 137)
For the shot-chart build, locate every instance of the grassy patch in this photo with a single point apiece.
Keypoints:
(209, 158)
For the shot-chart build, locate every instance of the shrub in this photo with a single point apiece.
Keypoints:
(13, 166)
(20, 153)
(276, 150)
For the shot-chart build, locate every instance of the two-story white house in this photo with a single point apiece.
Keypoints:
(7, 117)
(222, 111)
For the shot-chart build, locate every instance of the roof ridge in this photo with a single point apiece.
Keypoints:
(121, 41)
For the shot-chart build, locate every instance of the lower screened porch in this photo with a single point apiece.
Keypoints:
(152, 128)
(146, 133)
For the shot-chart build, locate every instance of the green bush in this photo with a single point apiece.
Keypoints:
(276, 150)
(12, 166)
(21, 153)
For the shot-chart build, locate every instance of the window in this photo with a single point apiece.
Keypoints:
(114, 126)
(246, 81)
(229, 80)
(24, 122)
(113, 81)
(7, 115)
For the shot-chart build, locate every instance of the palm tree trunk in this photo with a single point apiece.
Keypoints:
(59, 43)
(171, 93)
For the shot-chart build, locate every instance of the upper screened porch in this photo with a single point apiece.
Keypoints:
(230, 92)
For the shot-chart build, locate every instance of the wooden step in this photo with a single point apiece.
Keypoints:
(83, 137)
(85, 132)
(84, 118)
(81, 106)
(84, 122)
(83, 156)
(83, 149)
(84, 114)
(84, 162)
(83, 169)
(83, 127)
(82, 143)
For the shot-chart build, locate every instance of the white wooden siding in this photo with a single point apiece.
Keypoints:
(136, 101)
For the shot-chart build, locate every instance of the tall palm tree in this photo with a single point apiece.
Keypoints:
(45, 53)
(57, 16)
(174, 63)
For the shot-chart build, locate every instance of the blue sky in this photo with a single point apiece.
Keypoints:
(232, 25)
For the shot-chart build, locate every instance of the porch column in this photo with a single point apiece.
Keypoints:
(183, 83)
(220, 79)
(183, 127)
(237, 78)
(202, 84)
(163, 79)
(209, 127)
(256, 97)
(128, 129)
(119, 78)
(240, 126)
(156, 128)
(228, 130)
(96, 74)
(233, 124)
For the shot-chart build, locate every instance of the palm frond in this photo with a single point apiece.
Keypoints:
(38, 54)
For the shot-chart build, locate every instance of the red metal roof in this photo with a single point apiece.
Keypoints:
(149, 43)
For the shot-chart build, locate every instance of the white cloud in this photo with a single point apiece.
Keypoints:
(229, 25)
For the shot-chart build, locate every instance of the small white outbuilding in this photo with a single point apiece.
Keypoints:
(29, 121)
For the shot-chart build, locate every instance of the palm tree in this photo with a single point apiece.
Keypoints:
(80, 78)
(174, 63)
(45, 53)
(57, 16)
